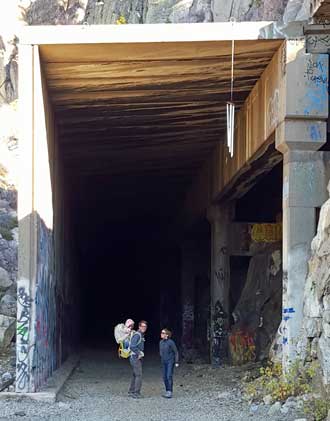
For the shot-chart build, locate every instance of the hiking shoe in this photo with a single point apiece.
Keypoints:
(131, 394)
(167, 394)
(137, 396)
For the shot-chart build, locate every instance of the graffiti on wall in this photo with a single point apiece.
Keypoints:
(318, 41)
(316, 72)
(316, 97)
(288, 313)
(45, 324)
(220, 333)
(266, 233)
(24, 348)
(242, 347)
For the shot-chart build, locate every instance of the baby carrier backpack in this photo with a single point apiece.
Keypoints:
(124, 340)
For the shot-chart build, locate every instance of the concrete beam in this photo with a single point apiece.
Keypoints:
(317, 38)
(103, 34)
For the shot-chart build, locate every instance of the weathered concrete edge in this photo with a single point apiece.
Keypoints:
(54, 384)
(137, 33)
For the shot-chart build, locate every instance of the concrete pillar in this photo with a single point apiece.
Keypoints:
(219, 218)
(27, 255)
(35, 323)
(188, 259)
(302, 131)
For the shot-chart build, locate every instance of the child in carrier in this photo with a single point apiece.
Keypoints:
(123, 333)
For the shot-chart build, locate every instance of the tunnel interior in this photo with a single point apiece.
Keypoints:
(121, 270)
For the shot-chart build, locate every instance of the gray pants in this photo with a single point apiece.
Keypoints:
(136, 382)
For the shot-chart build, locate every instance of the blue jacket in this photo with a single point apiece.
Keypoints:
(137, 344)
(168, 351)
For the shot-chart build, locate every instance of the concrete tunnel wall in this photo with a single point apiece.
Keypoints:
(43, 315)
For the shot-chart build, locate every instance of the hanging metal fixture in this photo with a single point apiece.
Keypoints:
(230, 104)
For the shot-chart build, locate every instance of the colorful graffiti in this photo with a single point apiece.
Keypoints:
(266, 233)
(242, 347)
(24, 304)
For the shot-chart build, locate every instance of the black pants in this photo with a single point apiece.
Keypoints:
(136, 382)
(168, 368)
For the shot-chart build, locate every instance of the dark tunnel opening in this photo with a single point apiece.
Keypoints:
(120, 270)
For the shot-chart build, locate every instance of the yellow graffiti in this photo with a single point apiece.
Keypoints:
(266, 233)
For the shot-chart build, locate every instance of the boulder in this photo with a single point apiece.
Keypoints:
(275, 408)
(5, 281)
(324, 357)
(312, 327)
(7, 331)
(8, 305)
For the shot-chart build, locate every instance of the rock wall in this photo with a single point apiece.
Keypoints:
(8, 198)
(54, 12)
(315, 336)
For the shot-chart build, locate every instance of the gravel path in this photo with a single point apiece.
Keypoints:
(97, 390)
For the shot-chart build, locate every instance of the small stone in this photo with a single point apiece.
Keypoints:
(64, 405)
(7, 331)
(4, 204)
(223, 395)
(254, 408)
(6, 377)
(275, 408)
(291, 403)
(20, 413)
(285, 410)
(8, 305)
(11, 388)
(268, 400)
(5, 281)
(300, 419)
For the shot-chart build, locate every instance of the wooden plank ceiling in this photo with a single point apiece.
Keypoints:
(147, 114)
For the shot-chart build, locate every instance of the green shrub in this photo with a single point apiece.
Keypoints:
(6, 233)
(272, 381)
(317, 409)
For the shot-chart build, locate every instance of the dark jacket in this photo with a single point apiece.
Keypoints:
(137, 344)
(168, 351)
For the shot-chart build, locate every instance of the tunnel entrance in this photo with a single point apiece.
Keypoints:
(125, 165)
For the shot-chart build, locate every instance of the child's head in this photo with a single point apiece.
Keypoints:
(165, 333)
(129, 324)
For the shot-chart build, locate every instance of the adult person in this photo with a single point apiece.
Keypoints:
(169, 356)
(136, 359)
